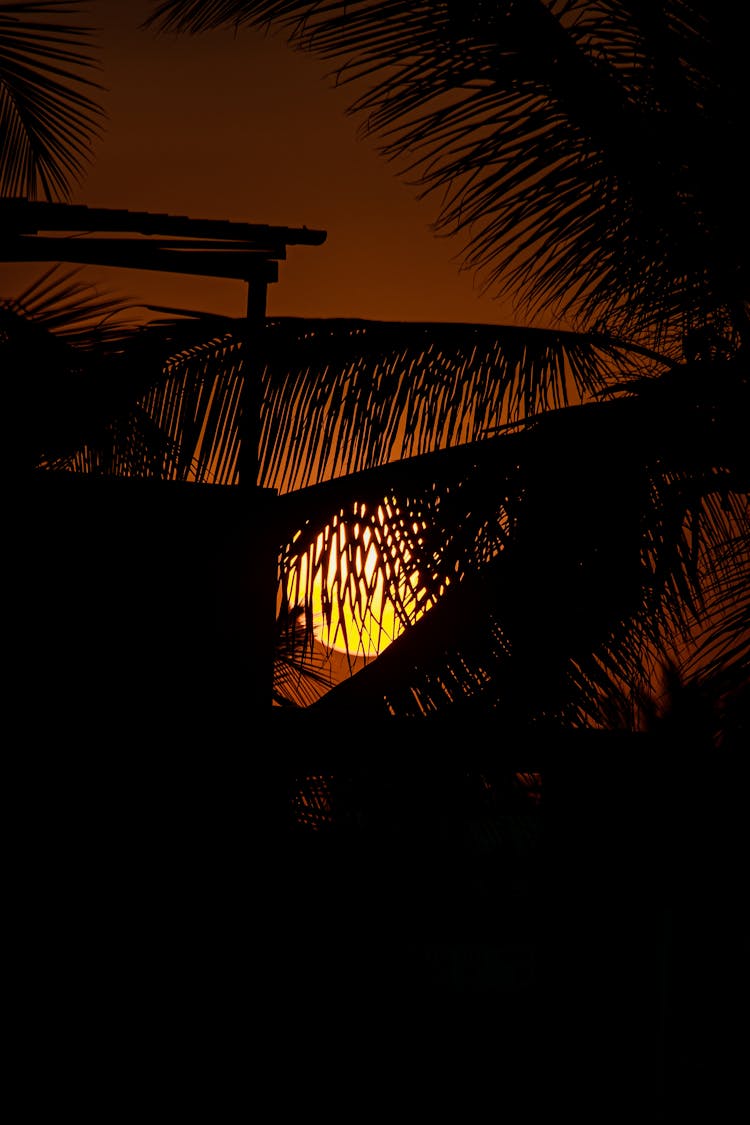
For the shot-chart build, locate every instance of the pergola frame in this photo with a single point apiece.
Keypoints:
(228, 531)
(42, 232)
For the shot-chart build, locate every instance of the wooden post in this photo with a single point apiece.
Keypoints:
(257, 598)
(252, 389)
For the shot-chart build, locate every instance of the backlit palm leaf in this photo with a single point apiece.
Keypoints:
(367, 402)
(585, 153)
(589, 582)
(516, 519)
(350, 395)
(387, 527)
(341, 397)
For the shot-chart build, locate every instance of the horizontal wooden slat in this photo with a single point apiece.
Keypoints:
(136, 254)
(29, 216)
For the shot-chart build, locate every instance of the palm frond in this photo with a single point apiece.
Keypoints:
(49, 117)
(371, 405)
(686, 676)
(74, 311)
(378, 547)
(342, 396)
(56, 337)
(96, 390)
(582, 546)
(493, 539)
(302, 669)
(585, 154)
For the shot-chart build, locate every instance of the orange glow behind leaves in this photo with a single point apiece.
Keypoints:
(349, 577)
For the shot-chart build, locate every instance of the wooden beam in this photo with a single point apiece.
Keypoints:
(140, 255)
(30, 216)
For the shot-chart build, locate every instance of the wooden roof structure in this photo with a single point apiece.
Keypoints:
(40, 231)
(135, 530)
(33, 231)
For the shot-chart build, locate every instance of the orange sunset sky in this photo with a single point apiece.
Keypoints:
(242, 127)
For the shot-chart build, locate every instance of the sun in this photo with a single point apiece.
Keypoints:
(350, 630)
(354, 591)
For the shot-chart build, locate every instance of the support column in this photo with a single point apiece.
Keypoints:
(259, 554)
(252, 391)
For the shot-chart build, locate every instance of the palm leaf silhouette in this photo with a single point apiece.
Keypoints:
(81, 363)
(558, 517)
(585, 158)
(49, 117)
(585, 154)
(448, 515)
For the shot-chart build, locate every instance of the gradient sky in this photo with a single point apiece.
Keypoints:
(241, 127)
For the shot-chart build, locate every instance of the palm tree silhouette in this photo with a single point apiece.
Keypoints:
(586, 160)
(50, 116)
(406, 419)
(567, 503)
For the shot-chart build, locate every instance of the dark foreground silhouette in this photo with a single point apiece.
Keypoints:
(415, 924)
